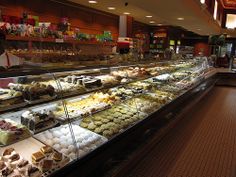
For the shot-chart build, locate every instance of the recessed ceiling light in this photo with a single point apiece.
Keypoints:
(180, 18)
(152, 22)
(93, 2)
(111, 8)
(148, 16)
(202, 1)
(126, 13)
(159, 24)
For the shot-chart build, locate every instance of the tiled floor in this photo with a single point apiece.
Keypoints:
(202, 144)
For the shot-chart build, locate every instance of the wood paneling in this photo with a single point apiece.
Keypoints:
(202, 48)
(130, 21)
(86, 19)
(139, 27)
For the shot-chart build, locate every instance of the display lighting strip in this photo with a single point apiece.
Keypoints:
(93, 2)
(215, 10)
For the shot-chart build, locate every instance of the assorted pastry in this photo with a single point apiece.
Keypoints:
(11, 132)
(85, 106)
(13, 164)
(171, 88)
(124, 92)
(112, 121)
(33, 91)
(48, 160)
(38, 121)
(10, 97)
(131, 72)
(108, 80)
(65, 87)
(87, 82)
(60, 138)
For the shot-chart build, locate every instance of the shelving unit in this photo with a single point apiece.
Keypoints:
(54, 40)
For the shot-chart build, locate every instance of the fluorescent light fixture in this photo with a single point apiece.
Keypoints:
(126, 13)
(93, 2)
(148, 16)
(180, 18)
(111, 8)
(202, 1)
(215, 10)
(152, 22)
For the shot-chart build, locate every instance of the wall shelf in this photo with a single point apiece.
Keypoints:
(54, 40)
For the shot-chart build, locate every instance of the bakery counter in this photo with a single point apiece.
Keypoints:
(122, 140)
(92, 127)
(25, 91)
(106, 112)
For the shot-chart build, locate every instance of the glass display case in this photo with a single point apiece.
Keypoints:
(48, 121)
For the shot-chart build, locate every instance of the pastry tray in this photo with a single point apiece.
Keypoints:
(16, 116)
(15, 106)
(26, 148)
(78, 147)
(41, 100)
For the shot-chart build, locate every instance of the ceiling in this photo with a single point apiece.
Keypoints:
(196, 18)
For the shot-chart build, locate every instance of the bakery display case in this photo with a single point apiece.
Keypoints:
(54, 120)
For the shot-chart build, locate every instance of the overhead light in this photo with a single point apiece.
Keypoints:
(93, 2)
(199, 29)
(152, 22)
(159, 24)
(180, 18)
(202, 1)
(111, 8)
(148, 16)
(126, 13)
